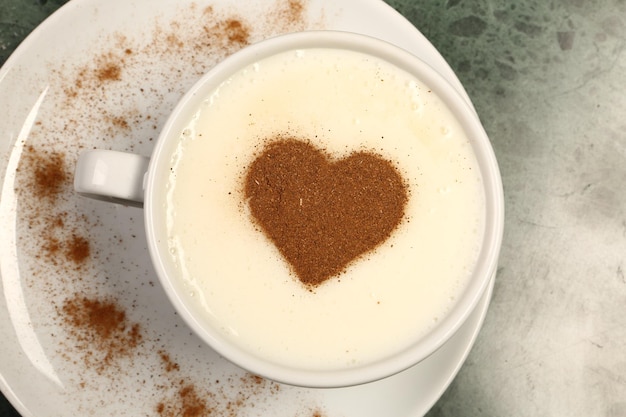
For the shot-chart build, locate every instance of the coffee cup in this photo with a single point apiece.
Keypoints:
(322, 208)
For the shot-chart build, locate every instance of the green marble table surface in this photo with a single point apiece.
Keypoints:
(547, 78)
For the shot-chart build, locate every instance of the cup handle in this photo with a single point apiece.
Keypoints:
(112, 176)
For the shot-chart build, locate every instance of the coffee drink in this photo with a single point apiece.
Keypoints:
(324, 208)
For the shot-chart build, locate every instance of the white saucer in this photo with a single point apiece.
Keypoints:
(106, 74)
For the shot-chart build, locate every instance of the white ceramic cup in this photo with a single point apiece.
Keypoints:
(136, 180)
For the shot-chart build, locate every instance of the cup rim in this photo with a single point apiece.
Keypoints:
(494, 204)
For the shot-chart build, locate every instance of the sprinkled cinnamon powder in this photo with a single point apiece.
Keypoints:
(61, 247)
(168, 363)
(119, 121)
(224, 398)
(109, 72)
(236, 31)
(47, 179)
(101, 329)
(48, 171)
(78, 249)
(323, 214)
(294, 11)
(186, 403)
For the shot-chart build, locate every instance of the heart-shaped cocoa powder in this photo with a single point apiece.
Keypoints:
(323, 214)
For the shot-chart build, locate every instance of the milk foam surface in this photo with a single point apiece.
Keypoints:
(339, 101)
